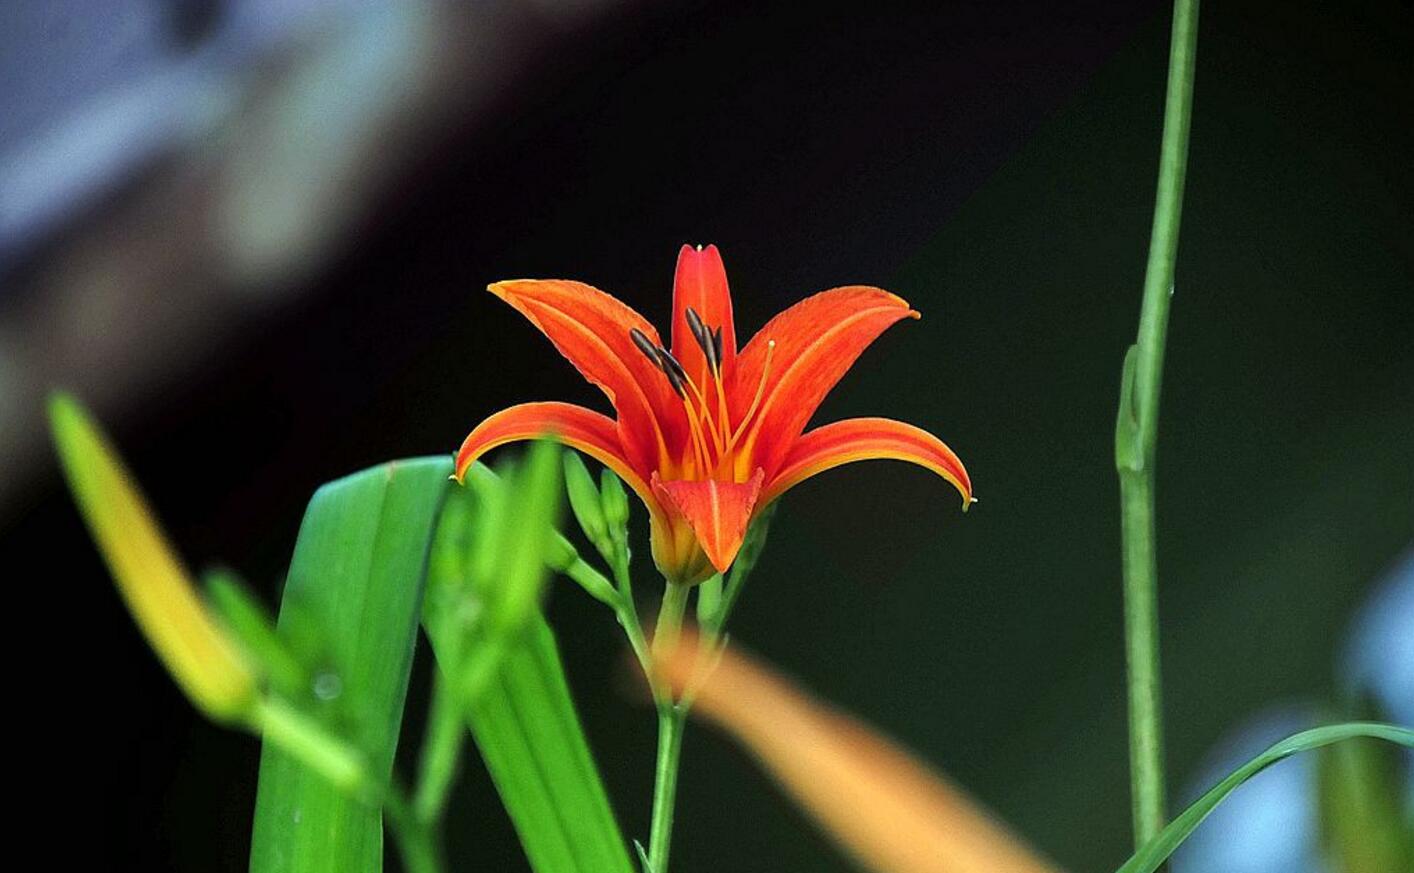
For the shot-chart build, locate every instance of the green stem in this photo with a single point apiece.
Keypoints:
(1136, 438)
(306, 740)
(416, 839)
(665, 634)
(627, 612)
(441, 753)
(671, 721)
(745, 562)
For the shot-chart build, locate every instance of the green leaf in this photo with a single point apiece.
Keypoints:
(1157, 850)
(534, 747)
(489, 566)
(357, 572)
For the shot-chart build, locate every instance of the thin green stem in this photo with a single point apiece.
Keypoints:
(416, 839)
(627, 613)
(1146, 741)
(671, 721)
(741, 568)
(669, 627)
(1136, 439)
(441, 753)
(306, 740)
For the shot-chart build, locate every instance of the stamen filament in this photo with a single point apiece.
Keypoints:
(755, 401)
(699, 443)
(707, 416)
(723, 417)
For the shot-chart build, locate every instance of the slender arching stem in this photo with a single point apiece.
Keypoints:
(1136, 435)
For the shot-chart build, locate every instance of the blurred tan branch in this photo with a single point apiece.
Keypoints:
(887, 808)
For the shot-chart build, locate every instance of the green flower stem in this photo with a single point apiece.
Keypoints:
(417, 841)
(671, 721)
(1136, 437)
(441, 754)
(745, 562)
(304, 739)
(665, 635)
(627, 613)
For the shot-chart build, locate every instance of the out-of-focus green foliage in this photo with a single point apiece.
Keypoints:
(487, 570)
(357, 570)
(251, 624)
(1366, 824)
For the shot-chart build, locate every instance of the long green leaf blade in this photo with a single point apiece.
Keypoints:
(1157, 850)
(357, 579)
(484, 623)
(531, 739)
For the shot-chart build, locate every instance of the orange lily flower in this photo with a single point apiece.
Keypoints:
(708, 434)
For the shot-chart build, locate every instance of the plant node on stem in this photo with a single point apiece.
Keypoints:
(1136, 437)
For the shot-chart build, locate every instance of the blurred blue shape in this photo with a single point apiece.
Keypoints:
(1269, 825)
(94, 92)
(1379, 659)
(1380, 656)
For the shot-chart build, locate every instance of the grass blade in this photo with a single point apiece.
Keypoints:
(1157, 850)
(356, 578)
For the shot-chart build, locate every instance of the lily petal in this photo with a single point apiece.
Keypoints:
(591, 329)
(718, 512)
(701, 284)
(865, 439)
(588, 431)
(888, 808)
(816, 342)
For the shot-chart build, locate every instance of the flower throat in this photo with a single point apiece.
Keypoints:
(714, 441)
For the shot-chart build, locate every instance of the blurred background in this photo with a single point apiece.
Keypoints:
(254, 235)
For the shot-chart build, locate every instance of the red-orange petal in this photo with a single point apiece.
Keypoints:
(719, 512)
(816, 342)
(591, 329)
(865, 439)
(701, 283)
(588, 431)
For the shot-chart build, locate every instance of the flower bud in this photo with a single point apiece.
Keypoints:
(158, 591)
(614, 500)
(584, 499)
(560, 553)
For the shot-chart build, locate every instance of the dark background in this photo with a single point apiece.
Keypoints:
(993, 164)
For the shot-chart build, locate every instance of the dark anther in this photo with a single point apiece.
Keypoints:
(704, 339)
(717, 345)
(676, 373)
(677, 377)
(646, 346)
